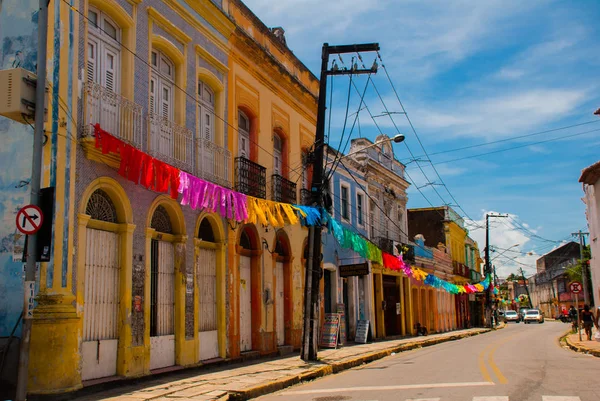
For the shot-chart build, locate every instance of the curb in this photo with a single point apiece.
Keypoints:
(337, 367)
(578, 348)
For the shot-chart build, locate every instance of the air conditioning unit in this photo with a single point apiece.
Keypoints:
(18, 101)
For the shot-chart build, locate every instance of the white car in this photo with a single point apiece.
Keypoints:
(533, 315)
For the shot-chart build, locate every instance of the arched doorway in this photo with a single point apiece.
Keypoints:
(101, 288)
(283, 301)
(250, 299)
(162, 290)
(207, 247)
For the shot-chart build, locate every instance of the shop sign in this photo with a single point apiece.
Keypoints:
(362, 332)
(358, 269)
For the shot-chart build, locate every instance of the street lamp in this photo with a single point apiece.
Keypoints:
(396, 139)
(503, 252)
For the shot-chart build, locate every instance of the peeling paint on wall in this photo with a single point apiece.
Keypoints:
(18, 48)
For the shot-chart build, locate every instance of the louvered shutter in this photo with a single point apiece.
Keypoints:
(165, 101)
(92, 60)
(208, 125)
(111, 69)
(153, 88)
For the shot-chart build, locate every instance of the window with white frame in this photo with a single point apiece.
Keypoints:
(103, 50)
(244, 135)
(360, 202)
(162, 85)
(277, 153)
(372, 221)
(345, 202)
(206, 97)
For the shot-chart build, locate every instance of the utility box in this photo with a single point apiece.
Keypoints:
(17, 102)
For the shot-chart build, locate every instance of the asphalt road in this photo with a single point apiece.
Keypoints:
(518, 363)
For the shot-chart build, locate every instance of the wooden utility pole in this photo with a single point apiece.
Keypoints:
(313, 268)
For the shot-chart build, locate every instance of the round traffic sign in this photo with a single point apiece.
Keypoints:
(576, 287)
(29, 219)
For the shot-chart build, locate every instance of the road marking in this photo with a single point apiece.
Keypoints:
(397, 387)
(559, 398)
(424, 399)
(494, 367)
(484, 372)
(490, 398)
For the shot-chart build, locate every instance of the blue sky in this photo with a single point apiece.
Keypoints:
(470, 73)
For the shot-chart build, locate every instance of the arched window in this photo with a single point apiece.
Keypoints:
(104, 50)
(205, 232)
(161, 221)
(245, 240)
(206, 98)
(162, 85)
(244, 135)
(101, 207)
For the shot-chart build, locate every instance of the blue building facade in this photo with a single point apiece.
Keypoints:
(348, 191)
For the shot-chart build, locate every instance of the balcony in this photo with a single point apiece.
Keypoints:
(170, 142)
(386, 245)
(460, 269)
(305, 197)
(283, 190)
(250, 178)
(116, 115)
(212, 162)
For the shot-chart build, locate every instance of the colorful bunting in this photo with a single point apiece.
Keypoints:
(143, 169)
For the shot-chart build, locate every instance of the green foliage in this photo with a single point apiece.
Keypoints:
(575, 272)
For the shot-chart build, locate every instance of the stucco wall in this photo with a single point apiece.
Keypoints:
(18, 38)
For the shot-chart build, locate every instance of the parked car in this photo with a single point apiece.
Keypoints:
(533, 315)
(511, 316)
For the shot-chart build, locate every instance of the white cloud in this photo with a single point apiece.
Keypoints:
(501, 115)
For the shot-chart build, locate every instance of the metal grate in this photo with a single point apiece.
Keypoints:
(161, 221)
(305, 197)
(250, 178)
(101, 207)
(283, 190)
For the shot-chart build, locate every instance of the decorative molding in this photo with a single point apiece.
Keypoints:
(280, 119)
(213, 14)
(92, 153)
(221, 43)
(247, 96)
(210, 59)
(168, 25)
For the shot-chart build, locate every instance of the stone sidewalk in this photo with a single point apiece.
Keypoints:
(585, 346)
(243, 381)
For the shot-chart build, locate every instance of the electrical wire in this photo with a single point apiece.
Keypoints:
(419, 139)
(516, 147)
(405, 171)
(509, 139)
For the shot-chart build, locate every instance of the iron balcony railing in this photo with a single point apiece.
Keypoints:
(283, 190)
(386, 245)
(250, 178)
(170, 142)
(213, 162)
(460, 269)
(305, 197)
(116, 115)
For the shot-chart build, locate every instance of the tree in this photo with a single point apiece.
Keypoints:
(575, 272)
(514, 277)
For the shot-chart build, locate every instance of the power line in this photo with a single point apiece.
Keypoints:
(516, 147)
(419, 139)
(511, 138)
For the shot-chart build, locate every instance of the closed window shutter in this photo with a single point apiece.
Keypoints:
(110, 69)
(208, 126)
(165, 105)
(92, 60)
(152, 95)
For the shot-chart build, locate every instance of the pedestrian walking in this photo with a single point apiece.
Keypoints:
(588, 319)
(573, 318)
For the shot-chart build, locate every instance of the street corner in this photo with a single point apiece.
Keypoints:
(571, 341)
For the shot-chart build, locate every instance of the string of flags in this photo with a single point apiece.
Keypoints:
(143, 169)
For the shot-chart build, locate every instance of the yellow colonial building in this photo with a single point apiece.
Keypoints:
(139, 282)
(272, 99)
